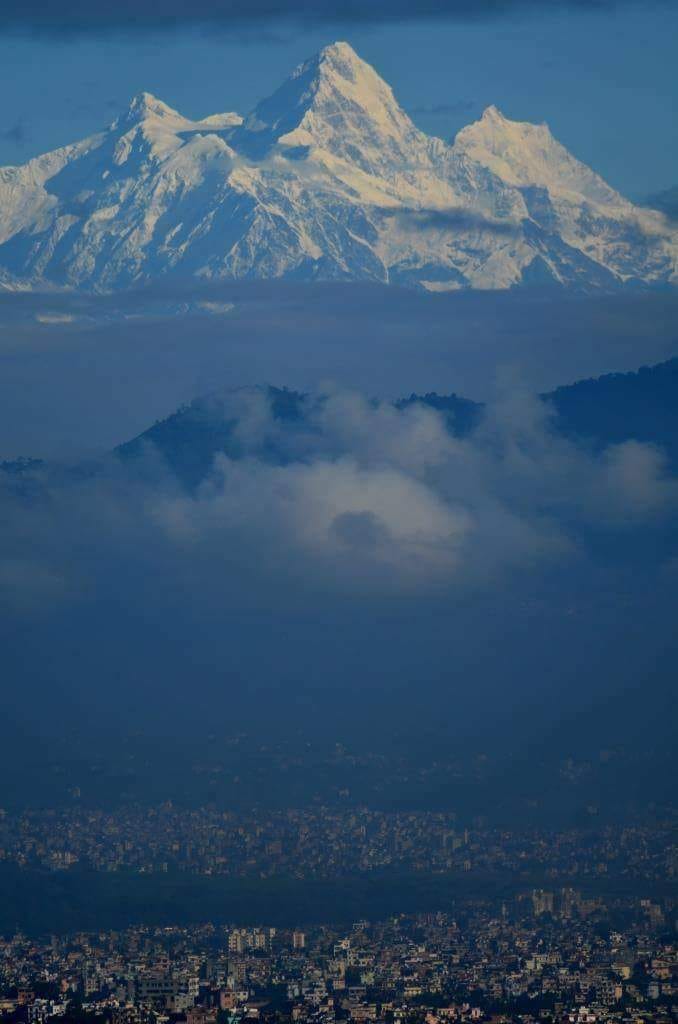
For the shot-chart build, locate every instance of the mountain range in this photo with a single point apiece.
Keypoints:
(326, 179)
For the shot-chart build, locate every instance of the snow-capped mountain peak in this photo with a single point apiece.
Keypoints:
(327, 178)
(334, 102)
(145, 105)
(493, 113)
(150, 128)
(152, 113)
(525, 154)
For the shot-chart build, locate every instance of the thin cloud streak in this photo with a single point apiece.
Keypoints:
(451, 219)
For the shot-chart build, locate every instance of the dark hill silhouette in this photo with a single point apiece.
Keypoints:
(641, 406)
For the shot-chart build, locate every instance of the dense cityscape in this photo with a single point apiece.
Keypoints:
(582, 931)
(545, 955)
(326, 843)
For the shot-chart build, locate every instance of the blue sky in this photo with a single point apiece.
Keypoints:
(604, 81)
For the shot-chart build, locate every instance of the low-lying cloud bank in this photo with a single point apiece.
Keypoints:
(354, 498)
(356, 568)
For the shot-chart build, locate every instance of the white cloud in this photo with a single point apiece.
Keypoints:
(359, 499)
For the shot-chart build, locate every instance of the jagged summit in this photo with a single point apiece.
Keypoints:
(493, 114)
(145, 105)
(525, 154)
(147, 108)
(336, 69)
(336, 102)
(328, 178)
(340, 58)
